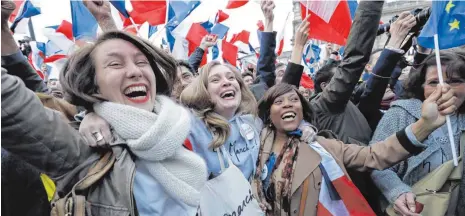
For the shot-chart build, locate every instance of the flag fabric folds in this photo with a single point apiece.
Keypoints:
(221, 16)
(60, 41)
(447, 20)
(232, 4)
(84, 24)
(280, 37)
(153, 12)
(329, 20)
(26, 10)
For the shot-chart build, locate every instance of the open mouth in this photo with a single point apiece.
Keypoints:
(228, 95)
(288, 116)
(137, 93)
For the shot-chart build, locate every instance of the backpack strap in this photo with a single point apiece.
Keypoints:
(97, 172)
(303, 199)
(73, 204)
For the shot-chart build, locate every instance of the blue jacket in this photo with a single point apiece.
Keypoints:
(266, 65)
(196, 58)
(370, 101)
(242, 144)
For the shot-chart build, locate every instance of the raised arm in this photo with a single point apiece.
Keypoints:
(36, 134)
(101, 10)
(266, 62)
(12, 58)
(356, 55)
(370, 101)
(294, 69)
(196, 57)
(405, 141)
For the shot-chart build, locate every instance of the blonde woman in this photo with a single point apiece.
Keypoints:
(224, 114)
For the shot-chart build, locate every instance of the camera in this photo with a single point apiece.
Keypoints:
(421, 16)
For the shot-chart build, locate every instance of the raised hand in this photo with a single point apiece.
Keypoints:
(208, 41)
(301, 35)
(8, 7)
(400, 29)
(439, 104)
(267, 9)
(301, 38)
(100, 9)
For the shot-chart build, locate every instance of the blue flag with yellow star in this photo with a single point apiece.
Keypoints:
(448, 21)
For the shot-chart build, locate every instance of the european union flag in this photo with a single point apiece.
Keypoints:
(448, 21)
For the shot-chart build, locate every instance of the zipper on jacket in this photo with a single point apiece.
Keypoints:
(131, 192)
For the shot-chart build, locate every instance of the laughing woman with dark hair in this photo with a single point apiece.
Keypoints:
(396, 182)
(297, 177)
(124, 80)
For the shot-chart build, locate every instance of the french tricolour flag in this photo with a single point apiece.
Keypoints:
(329, 20)
(26, 10)
(154, 12)
(338, 194)
(37, 56)
(60, 41)
(280, 37)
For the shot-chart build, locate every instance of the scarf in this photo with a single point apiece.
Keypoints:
(338, 194)
(156, 139)
(274, 179)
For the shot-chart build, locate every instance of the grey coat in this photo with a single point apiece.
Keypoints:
(399, 178)
(40, 137)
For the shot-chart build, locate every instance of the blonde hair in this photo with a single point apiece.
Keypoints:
(196, 96)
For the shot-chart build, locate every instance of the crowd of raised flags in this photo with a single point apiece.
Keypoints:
(330, 21)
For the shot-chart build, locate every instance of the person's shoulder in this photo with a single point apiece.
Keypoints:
(400, 108)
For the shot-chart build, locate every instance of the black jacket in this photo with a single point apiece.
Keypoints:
(332, 108)
(22, 190)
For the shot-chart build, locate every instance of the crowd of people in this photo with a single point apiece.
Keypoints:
(129, 130)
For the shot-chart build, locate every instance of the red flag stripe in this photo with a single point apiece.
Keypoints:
(353, 199)
(322, 211)
(321, 30)
(236, 3)
(281, 46)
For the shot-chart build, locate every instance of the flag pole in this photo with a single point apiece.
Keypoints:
(31, 29)
(441, 81)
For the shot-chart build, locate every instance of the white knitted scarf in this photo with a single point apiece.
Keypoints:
(156, 138)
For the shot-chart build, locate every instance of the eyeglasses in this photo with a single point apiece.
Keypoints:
(451, 82)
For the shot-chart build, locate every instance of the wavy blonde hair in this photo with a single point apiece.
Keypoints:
(196, 97)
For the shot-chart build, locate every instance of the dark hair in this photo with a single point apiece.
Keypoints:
(264, 105)
(453, 60)
(324, 74)
(78, 74)
(184, 63)
(280, 64)
(247, 74)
